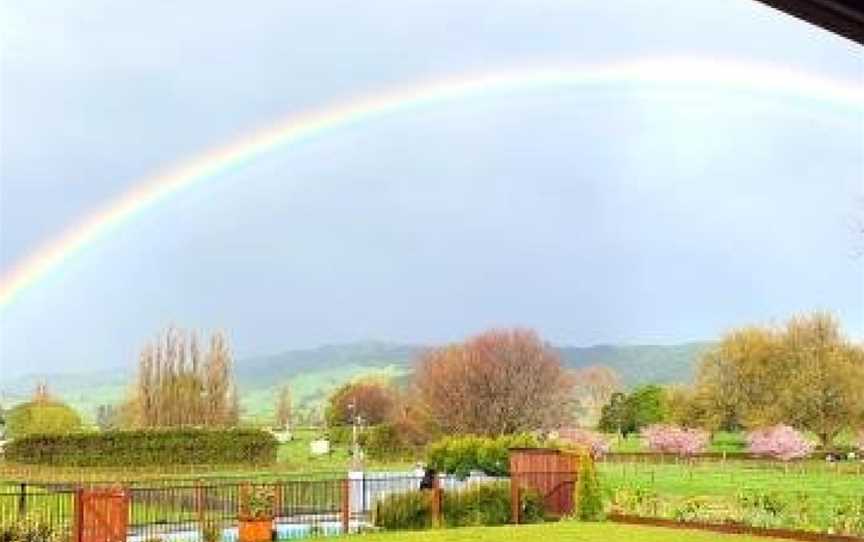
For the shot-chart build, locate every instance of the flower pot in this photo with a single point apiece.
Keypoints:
(256, 530)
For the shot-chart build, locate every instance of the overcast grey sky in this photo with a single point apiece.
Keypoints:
(595, 217)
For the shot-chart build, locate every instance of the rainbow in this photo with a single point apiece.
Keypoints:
(696, 74)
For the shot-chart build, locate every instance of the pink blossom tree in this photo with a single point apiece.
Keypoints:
(780, 442)
(595, 443)
(672, 439)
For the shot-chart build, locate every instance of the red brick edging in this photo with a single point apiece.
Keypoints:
(734, 528)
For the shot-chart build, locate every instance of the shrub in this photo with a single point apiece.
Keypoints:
(211, 532)
(692, 509)
(256, 502)
(410, 510)
(146, 447)
(847, 516)
(29, 530)
(589, 503)
(780, 442)
(460, 455)
(483, 504)
(671, 439)
(761, 509)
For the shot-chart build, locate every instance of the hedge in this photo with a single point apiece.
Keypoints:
(460, 455)
(484, 504)
(146, 447)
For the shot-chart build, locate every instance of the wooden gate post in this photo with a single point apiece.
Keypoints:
(346, 504)
(436, 496)
(515, 500)
(78, 522)
(437, 502)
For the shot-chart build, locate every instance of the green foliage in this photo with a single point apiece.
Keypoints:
(29, 530)
(211, 532)
(146, 447)
(459, 455)
(629, 413)
(484, 504)
(692, 509)
(256, 502)
(41, 417)
(489, 504)
(384, 441)
(805, 374)
(404, 511)
(589, 503)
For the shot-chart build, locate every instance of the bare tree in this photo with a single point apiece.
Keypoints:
(178, 385)
(595, 385)
(499, 382)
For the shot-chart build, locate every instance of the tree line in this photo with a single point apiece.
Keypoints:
(804, 373)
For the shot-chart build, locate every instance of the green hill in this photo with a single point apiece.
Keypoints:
(314, 373)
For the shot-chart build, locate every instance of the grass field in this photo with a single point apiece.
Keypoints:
(557, 532)
(812, 496)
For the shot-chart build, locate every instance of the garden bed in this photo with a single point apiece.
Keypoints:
(734, 528)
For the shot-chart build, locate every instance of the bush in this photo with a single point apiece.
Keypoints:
(484, 504)
(146, 447)
(461, 455)
(404, 511)
(589, 500)
(489, 504)
(29, 530)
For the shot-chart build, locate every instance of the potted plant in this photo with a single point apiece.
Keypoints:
(256, 513)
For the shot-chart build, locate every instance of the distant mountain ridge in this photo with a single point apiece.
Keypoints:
(313, 373)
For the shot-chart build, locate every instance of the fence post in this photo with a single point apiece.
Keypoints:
(436, 495)
(78, 523)
(346, 502)
(22, 500)
(199, 504)
(515, 501)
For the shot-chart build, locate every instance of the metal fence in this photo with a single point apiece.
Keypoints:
(51, 505)
(178, 511)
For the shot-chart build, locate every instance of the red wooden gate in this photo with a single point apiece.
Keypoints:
(101, 515)
(551, 473)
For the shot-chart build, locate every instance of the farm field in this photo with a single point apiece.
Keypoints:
(559, 532)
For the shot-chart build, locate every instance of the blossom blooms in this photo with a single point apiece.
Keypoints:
(595, 443)
(780, 442)
(672, 439)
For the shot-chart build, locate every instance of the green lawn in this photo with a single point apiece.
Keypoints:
(708, 478)
(812, 496)
(557, 532)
